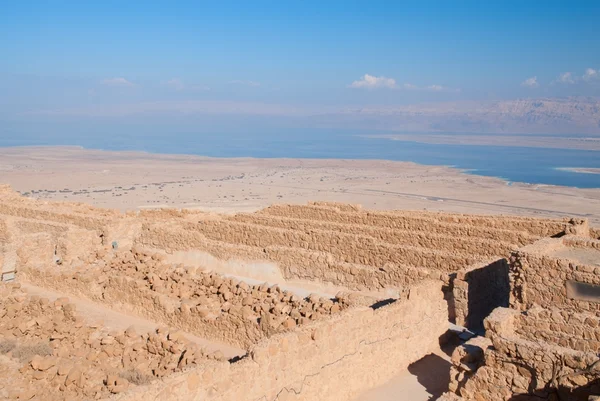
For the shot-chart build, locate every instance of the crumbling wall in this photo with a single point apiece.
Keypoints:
(540, 279)
(90, 223)
(478, 290)
(206, 304)
(330, 360)
(516, 368)
(78, 244)
(55, 355)
(35, 250)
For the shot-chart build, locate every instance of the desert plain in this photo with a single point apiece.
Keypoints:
(138, 180)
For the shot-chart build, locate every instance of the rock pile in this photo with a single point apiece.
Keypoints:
(210, 296)
(63, 357)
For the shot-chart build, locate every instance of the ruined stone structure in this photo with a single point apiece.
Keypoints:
(316, 302)
(546, 345)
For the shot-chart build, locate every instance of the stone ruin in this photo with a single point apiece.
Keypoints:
(295, 302)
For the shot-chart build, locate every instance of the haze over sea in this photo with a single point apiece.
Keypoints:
(511, 163)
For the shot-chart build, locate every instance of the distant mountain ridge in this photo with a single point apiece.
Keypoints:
(533, 116)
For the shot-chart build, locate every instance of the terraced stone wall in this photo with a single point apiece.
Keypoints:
(491, 227)
(294, 262)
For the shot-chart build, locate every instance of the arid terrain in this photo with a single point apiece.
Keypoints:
(137, 180)
(129, 276)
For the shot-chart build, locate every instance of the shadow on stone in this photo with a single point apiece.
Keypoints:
(433, 373)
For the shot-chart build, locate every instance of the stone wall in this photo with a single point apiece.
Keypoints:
(422, 239)
(206, 304)
(296, 262)
(537, 278)
(477, 291)
(490, 227)
(519, 369)
(331, 360)
(350, 248)
(581, 242)
(580, 332)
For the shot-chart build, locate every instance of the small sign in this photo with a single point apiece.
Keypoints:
(8, 276)
(583, 291)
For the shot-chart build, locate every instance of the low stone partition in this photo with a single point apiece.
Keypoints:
(582, 242)
(517, 368)
(477, 291)
(335, 359)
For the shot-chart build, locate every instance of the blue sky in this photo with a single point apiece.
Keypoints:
(288, 58)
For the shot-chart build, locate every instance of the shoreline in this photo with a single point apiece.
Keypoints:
(581, 170)
(130, 180)
(169, 156)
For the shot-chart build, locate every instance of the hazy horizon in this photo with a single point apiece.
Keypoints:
(475, 67)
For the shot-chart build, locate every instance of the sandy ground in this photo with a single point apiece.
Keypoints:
(136, 180)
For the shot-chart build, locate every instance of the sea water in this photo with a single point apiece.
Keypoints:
(511, 163)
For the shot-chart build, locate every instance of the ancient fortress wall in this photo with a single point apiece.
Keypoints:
(477, 291)
(547, 346)
(297, 263)
(423, 239)
(347, 248)
(335, 359)
(491, 228)
(576, 331)
(201, 303)
(513, 365)
(403, 275)
(540, 278)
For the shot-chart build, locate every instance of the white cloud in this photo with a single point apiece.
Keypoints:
(247, 83)
(565, 78)
(410, 86)
(435, 88)
(117, 82)
(590, 74)
(175, 83)
(372, 82)
(530, 82)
